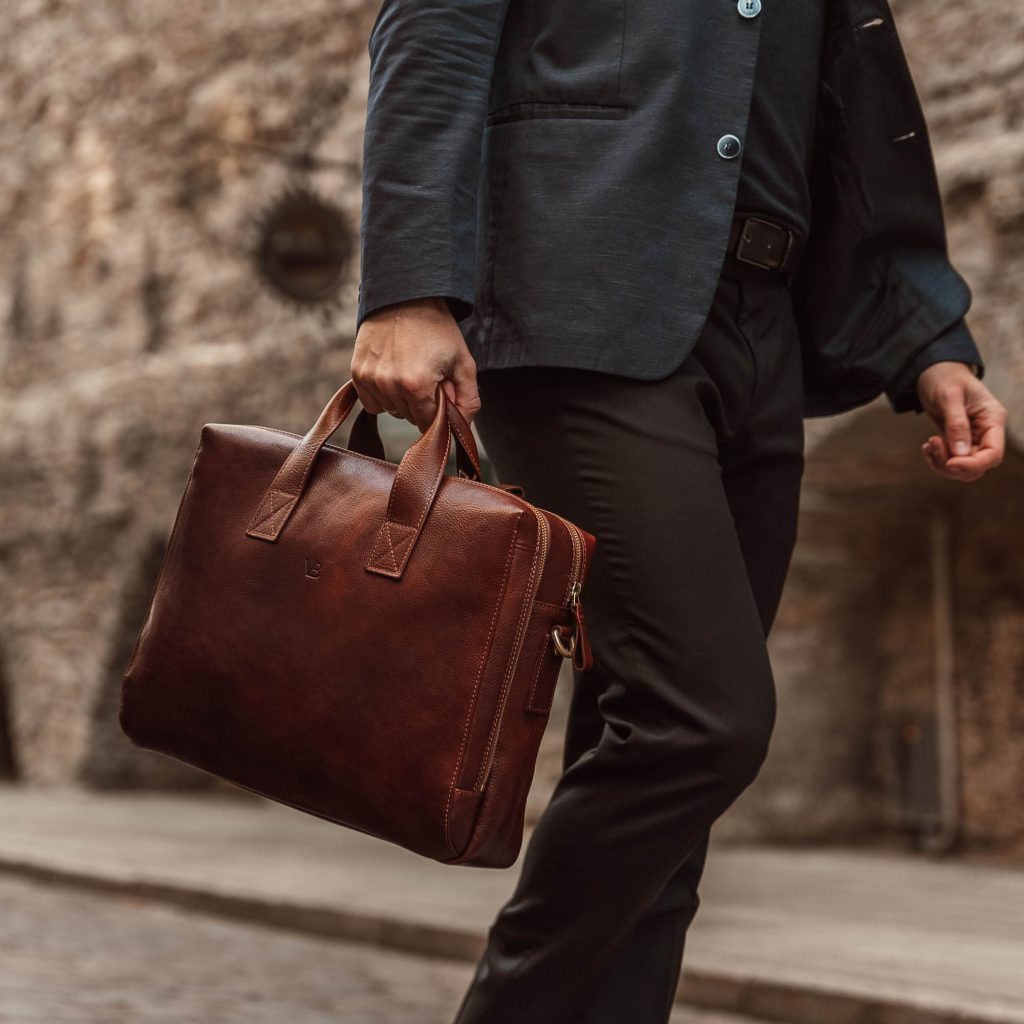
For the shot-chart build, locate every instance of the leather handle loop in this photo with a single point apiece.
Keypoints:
(365, 438)
(467, 458)
(417, 477)
(283, 495)
(416, 482)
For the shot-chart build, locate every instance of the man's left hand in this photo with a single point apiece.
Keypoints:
(971, 419)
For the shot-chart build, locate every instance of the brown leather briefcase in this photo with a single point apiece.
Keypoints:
(377, 645)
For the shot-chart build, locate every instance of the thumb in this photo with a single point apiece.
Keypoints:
(464, 384)
(957, 425)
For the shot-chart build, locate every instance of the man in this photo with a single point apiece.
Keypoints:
(639, 243)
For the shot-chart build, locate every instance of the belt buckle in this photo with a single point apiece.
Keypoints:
(745, 237)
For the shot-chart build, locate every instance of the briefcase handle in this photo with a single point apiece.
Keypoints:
(417, 479)
(365, 438)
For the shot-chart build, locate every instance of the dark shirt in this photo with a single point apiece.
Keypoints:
(780, 130)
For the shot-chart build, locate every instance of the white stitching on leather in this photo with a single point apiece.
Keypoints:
(374, 561)
(479, 675)
(305, 463)
(386, 542)
(261, 518)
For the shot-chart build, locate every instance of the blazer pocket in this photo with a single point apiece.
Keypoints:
(560, 53)
(533, 109)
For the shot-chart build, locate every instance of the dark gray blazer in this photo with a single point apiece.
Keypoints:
(551, 166)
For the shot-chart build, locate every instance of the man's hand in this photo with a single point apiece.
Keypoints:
(971, 418)
(402, 351)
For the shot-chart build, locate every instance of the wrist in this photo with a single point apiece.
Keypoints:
(948, 368)
(424, 307)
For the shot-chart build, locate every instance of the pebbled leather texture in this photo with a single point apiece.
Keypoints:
(366, 642)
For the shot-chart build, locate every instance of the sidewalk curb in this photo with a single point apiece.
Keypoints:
(699, 988)
(323, 922)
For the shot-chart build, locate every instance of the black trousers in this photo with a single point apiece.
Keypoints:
(691, 486)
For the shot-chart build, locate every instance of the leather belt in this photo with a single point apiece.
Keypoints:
(762, 248)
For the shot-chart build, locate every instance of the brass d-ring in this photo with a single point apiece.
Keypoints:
(563, 650)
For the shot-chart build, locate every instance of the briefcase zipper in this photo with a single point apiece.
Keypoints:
(578, 641)
(577, 559)
(543, 543)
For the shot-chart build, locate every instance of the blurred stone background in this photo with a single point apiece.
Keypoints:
(143, 148)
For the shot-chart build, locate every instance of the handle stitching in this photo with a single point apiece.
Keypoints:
(384, 538)
(484, 654)
(303, 465)
(260, 520)
(521, 624)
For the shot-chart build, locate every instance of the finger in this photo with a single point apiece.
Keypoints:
(934, 451)
(464, 384)
(993, 434)
(978, 462)
(956, 422)
(987, 455)
(937, 455)
(421, 399)
(991, 446)
(368, 395)
(395, 398)
(956, 467)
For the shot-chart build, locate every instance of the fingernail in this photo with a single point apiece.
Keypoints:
(961, 448)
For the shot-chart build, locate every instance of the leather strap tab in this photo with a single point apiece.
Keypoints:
(412, 493)
(583, 656)
(272, 514)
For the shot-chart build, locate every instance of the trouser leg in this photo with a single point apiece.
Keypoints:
(686, 692)
(762, 468)
(640, 982)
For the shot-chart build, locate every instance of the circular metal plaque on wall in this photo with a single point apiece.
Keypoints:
(304, 247)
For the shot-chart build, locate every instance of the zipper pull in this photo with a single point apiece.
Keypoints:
(583, 657)
(578, 647)
(580, 651)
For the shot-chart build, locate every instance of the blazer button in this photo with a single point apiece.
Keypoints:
(728, 146)
(749, 8)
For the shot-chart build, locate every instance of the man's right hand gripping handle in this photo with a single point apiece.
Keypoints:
(431, 63)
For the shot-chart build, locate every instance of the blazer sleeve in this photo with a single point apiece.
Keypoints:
(431, 63)
(955, 343)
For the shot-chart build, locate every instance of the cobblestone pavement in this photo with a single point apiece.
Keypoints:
(71, 957)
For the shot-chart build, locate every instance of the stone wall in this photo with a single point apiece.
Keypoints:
(969, 65)
(141, 146)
